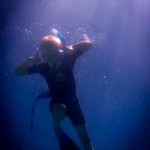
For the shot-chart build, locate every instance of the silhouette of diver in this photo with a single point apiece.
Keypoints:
(57, 69)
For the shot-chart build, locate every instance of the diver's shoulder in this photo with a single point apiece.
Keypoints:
(69, 50)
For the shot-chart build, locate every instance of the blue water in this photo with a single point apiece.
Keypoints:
(112, 78)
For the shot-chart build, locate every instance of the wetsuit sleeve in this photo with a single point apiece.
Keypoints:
(77, 53)
(33, 69)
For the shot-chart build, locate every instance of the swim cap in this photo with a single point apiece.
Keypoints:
(50, 42)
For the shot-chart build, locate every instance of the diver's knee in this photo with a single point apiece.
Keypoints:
(59, 108)
(58, 111)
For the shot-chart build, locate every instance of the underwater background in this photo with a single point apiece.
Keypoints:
(113, 77)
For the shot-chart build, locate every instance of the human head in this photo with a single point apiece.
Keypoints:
(50, 47)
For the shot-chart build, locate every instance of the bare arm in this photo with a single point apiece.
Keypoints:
(21, 70)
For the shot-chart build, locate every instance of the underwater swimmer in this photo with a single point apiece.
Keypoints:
(57, 69)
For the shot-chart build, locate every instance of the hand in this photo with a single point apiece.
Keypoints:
(34, 59)
(87, 39)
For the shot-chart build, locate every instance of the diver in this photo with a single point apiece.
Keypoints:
(57, 69)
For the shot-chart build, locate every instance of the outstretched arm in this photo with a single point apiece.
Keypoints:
(82, 46)
(21, 70)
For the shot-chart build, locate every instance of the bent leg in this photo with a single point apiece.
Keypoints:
(84, 138)
(65, 143)
(58, 114)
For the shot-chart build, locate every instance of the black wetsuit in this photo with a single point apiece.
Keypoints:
(61, 84)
